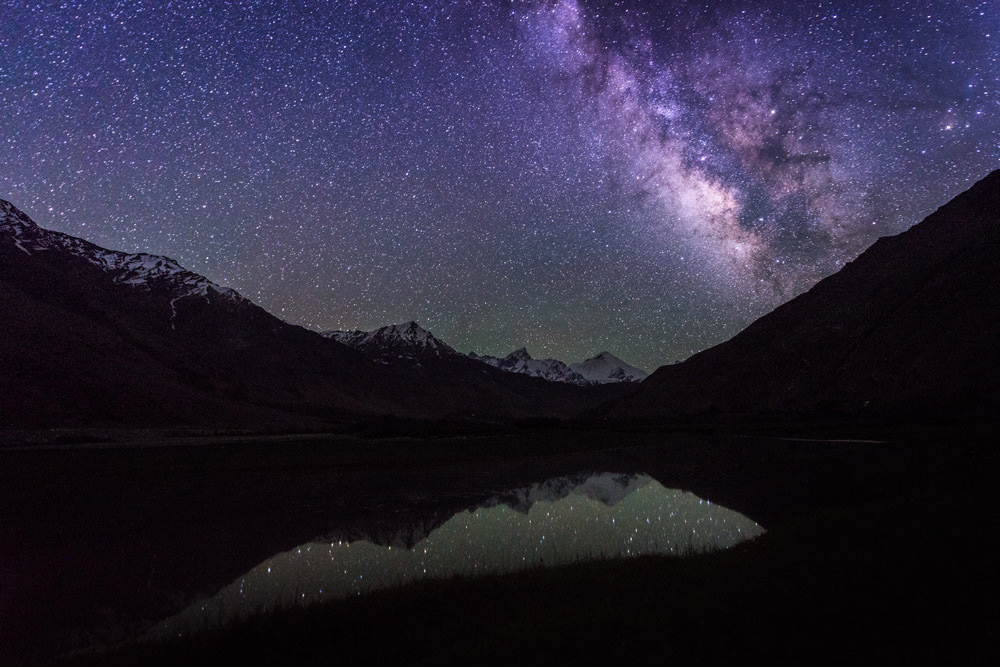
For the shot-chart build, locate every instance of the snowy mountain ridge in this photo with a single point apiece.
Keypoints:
(606, 367)
(519, 361)
(412, 342)
(137, 269)
(606, 487)
(407, 341)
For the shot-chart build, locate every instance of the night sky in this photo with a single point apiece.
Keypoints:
(571, 176)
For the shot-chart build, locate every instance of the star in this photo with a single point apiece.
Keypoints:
(565, 175)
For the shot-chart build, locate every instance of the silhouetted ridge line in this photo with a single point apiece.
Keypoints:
(906, 330)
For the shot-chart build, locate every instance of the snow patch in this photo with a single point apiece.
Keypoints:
(602, 369)
(140, 270)
(606, 367)
(407, 341)
(519, 361)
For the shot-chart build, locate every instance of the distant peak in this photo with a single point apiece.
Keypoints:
(604, 356)
(520, 353)
(606, 367)
(407, 329)
(406, 340)
(9, 211)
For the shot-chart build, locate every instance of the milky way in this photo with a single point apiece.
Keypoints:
(642, 177)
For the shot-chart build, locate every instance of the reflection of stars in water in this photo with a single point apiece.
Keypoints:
(648, 520)
(570, 175)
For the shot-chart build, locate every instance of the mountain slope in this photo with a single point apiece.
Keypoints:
(606, 367)
(413, 344)
(95, 337)
(406, 342)
(519, 361)
(909, 328)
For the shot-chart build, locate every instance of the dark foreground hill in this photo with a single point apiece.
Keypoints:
(96, 337)
(908, 329)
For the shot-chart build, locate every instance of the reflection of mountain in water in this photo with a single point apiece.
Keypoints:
(607, 488)
(560, 521)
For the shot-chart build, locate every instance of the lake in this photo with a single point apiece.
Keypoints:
(102, 543)
(562, 520)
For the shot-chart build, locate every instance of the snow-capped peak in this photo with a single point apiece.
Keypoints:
(395, 341)
(606, 367)
(10, 216)
(137, 269)
(519, 355)
(411, 332)
(519, 361)
(602, 369)
(16, 224)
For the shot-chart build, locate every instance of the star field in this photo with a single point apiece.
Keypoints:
(572, 176)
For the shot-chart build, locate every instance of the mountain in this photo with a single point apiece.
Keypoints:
(95, 336)
(606, 367)
(908, 329)
(99, 338)
(519, 361)
(407, 342)
(411, 343)
(151, 272)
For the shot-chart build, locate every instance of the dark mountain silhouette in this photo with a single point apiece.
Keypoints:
(95, 337)
(910, 328)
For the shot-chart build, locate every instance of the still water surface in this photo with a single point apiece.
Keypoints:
(562, 520)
